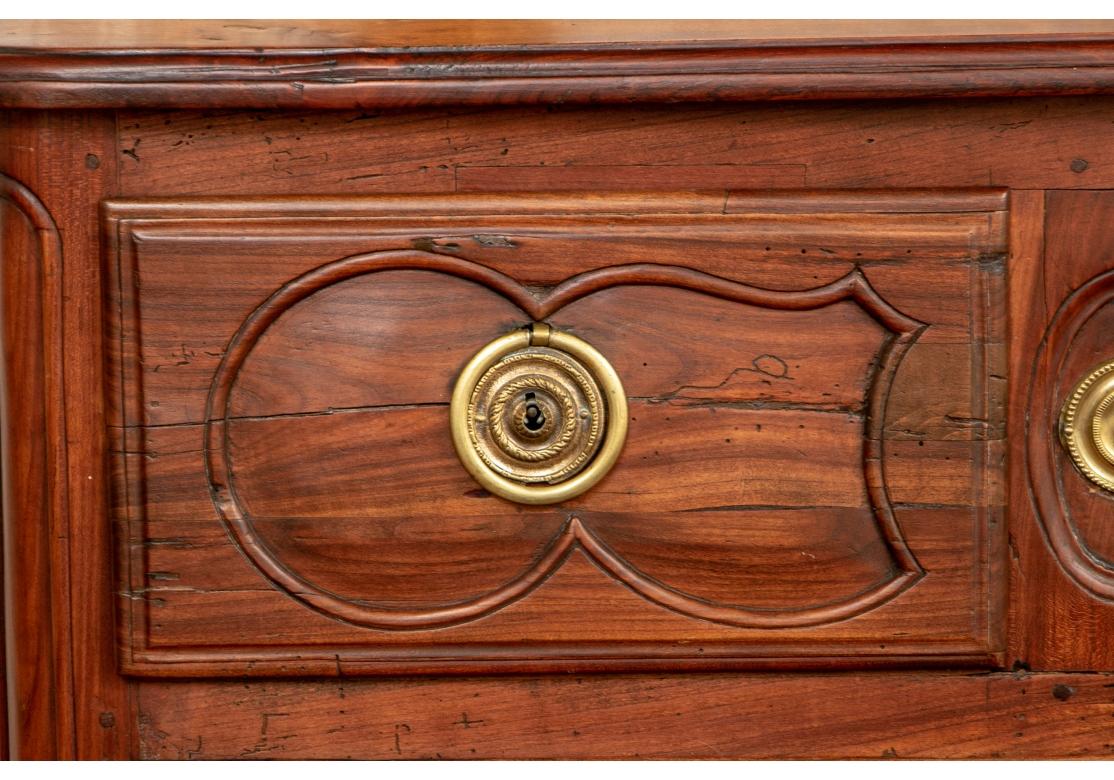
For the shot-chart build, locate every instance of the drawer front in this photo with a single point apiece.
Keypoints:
(812, 472)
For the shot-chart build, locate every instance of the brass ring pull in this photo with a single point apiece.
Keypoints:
(538, 416)
(1087, 426)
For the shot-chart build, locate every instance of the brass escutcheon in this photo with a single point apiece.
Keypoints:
(538, 416)
(1087, 426)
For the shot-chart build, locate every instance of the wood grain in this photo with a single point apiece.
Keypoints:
(997, 716)
(389, 359)
(1024, 144)
(117, 34)
(91, 706)
(38, 653)
(233, 157)
(1075, 578)
(1091, 508)
(1034, 62)
(84, 173)
(318, 421)
(176, 372)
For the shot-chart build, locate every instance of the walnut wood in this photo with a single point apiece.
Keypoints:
(80, 705)
(81, 145)
(5, 752)
(830, 582)
(127, 34)
(794, 67)
(713, 444)
(178, 373)
(679, 716)
(33, 509)
(1065, 516)
(1060, 143)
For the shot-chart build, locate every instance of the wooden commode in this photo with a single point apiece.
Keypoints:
(558, 389)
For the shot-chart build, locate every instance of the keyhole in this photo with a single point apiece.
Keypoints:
(535, 417)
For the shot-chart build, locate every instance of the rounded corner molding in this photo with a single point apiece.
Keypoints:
(538, 416)
(1087, 426)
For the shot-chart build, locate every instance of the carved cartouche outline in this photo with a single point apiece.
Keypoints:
(1046, 479)
(903, 331)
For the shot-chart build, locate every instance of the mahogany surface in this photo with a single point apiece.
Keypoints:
(847, 275)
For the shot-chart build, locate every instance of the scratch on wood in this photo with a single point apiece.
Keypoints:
(400, 729)
(133, 152)
(468, 723)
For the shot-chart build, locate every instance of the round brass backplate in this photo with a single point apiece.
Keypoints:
(538, 416)
(1087, 426)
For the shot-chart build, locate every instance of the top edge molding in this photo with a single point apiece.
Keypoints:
(343, 65)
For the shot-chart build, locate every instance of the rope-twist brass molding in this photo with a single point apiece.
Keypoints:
(1102, 420)
(1086, 426)
(499, 431)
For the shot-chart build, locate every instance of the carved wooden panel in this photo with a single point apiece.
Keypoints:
(1063, 295)
(32, 464)
(813, 470)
